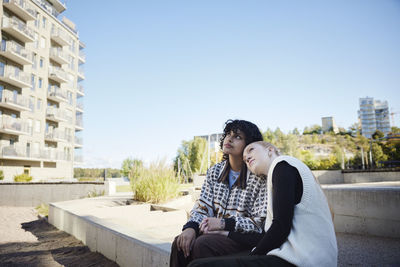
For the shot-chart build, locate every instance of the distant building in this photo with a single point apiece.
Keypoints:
(328, 124)
(373, 115)
(214, 140)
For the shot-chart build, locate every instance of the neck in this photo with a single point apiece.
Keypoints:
(235, 162)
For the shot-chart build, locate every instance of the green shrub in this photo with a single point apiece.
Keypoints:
(22, 178)
(43, 209)
(156, 184)
(1, 175)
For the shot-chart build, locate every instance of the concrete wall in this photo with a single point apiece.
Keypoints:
(33, 194)
(329, 177)
(365, 210)
(368, 177)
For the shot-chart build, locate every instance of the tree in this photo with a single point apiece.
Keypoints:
(129, 165)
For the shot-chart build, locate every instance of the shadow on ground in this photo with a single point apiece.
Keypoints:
(53, 248)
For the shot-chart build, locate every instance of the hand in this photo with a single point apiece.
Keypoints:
(185, 241)
(212, 224)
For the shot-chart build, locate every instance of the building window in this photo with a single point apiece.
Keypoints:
(69, 95)
(43, 22)
(40, 81)
(31, 103)
(37, 21)
(33, 82)
(34, 59)
(37, 126)
(30, 126)
(41, 64)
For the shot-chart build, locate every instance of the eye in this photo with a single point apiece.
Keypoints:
(238, 137)
(251, 149)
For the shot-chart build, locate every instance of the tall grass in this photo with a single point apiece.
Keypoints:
(155, 184)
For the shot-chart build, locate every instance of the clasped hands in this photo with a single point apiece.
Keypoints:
(211, 225)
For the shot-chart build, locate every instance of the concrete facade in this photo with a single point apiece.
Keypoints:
(34, 194)
(41, 91)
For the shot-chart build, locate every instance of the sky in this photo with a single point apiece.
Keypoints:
(160, 72)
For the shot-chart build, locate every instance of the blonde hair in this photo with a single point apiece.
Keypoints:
(268, 145)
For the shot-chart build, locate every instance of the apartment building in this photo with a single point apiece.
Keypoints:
(41, 90)
(373, 115)
(329, 124)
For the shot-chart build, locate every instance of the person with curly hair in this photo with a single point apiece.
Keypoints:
(232, 200)
(299, 229)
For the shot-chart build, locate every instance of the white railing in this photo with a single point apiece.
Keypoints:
(55, 91)
(16, 48)
(17, 24)
(79, 105)
(16, 99)
(13, 124)
(55, 134)
(81, 89)
(79, 122)
(52, 112)
(46, 6)
(24, 5)
(78, 140)
(82, 55)
(15, 74)
(58, 72)
(58, 52)
(57, 32)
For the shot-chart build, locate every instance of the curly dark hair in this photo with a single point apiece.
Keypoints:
(251, 134)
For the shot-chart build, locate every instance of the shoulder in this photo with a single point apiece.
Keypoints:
(215, 170)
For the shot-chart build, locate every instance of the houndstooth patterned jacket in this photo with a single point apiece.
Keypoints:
(246, 209)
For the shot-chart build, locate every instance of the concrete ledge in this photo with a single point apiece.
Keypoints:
(366, 209)
(33, 194)
(133, 235)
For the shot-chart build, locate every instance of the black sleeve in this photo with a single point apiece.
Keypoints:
(247, 240)
(284, 181)
(193, 225)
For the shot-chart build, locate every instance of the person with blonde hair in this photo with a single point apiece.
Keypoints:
(298, 229)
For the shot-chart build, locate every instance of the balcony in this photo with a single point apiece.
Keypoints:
(81, 73)
(57, 74)
(14, 76)
(79, 107)
(55, 135)
(78, 124)
(13, 101)
(14, 126)
(80, 91)
(18, 29)
(20, 152)
(55, 114)
(22, 8)
(57, 94)
(59, 36)
(82, 56)
(78, 142)
(16, 52)
(58, 5)
(58, 55)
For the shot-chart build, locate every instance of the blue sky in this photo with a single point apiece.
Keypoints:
(159, 72)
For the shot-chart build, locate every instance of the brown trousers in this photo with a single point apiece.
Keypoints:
(211, 245)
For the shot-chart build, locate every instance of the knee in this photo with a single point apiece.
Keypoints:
(202, 248)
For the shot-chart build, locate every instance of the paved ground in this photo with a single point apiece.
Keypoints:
(27, 241)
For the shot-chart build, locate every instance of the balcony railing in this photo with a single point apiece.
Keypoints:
(81, 72)
(16, 52)
(78, 140)
(79, 123)
(81, 90)
(55, 135)
(58, 74)
(12, 125)
(46, 6)
(82, 56)
(18, 28)
(57, 94)
(79, 105)
(14, 76)
(13, 100)
(60, 36)
(22, 8)
(58, 55)
(23, 152)
(55, 114)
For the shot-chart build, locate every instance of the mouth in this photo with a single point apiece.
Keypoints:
(251, 162)
(227, 146)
